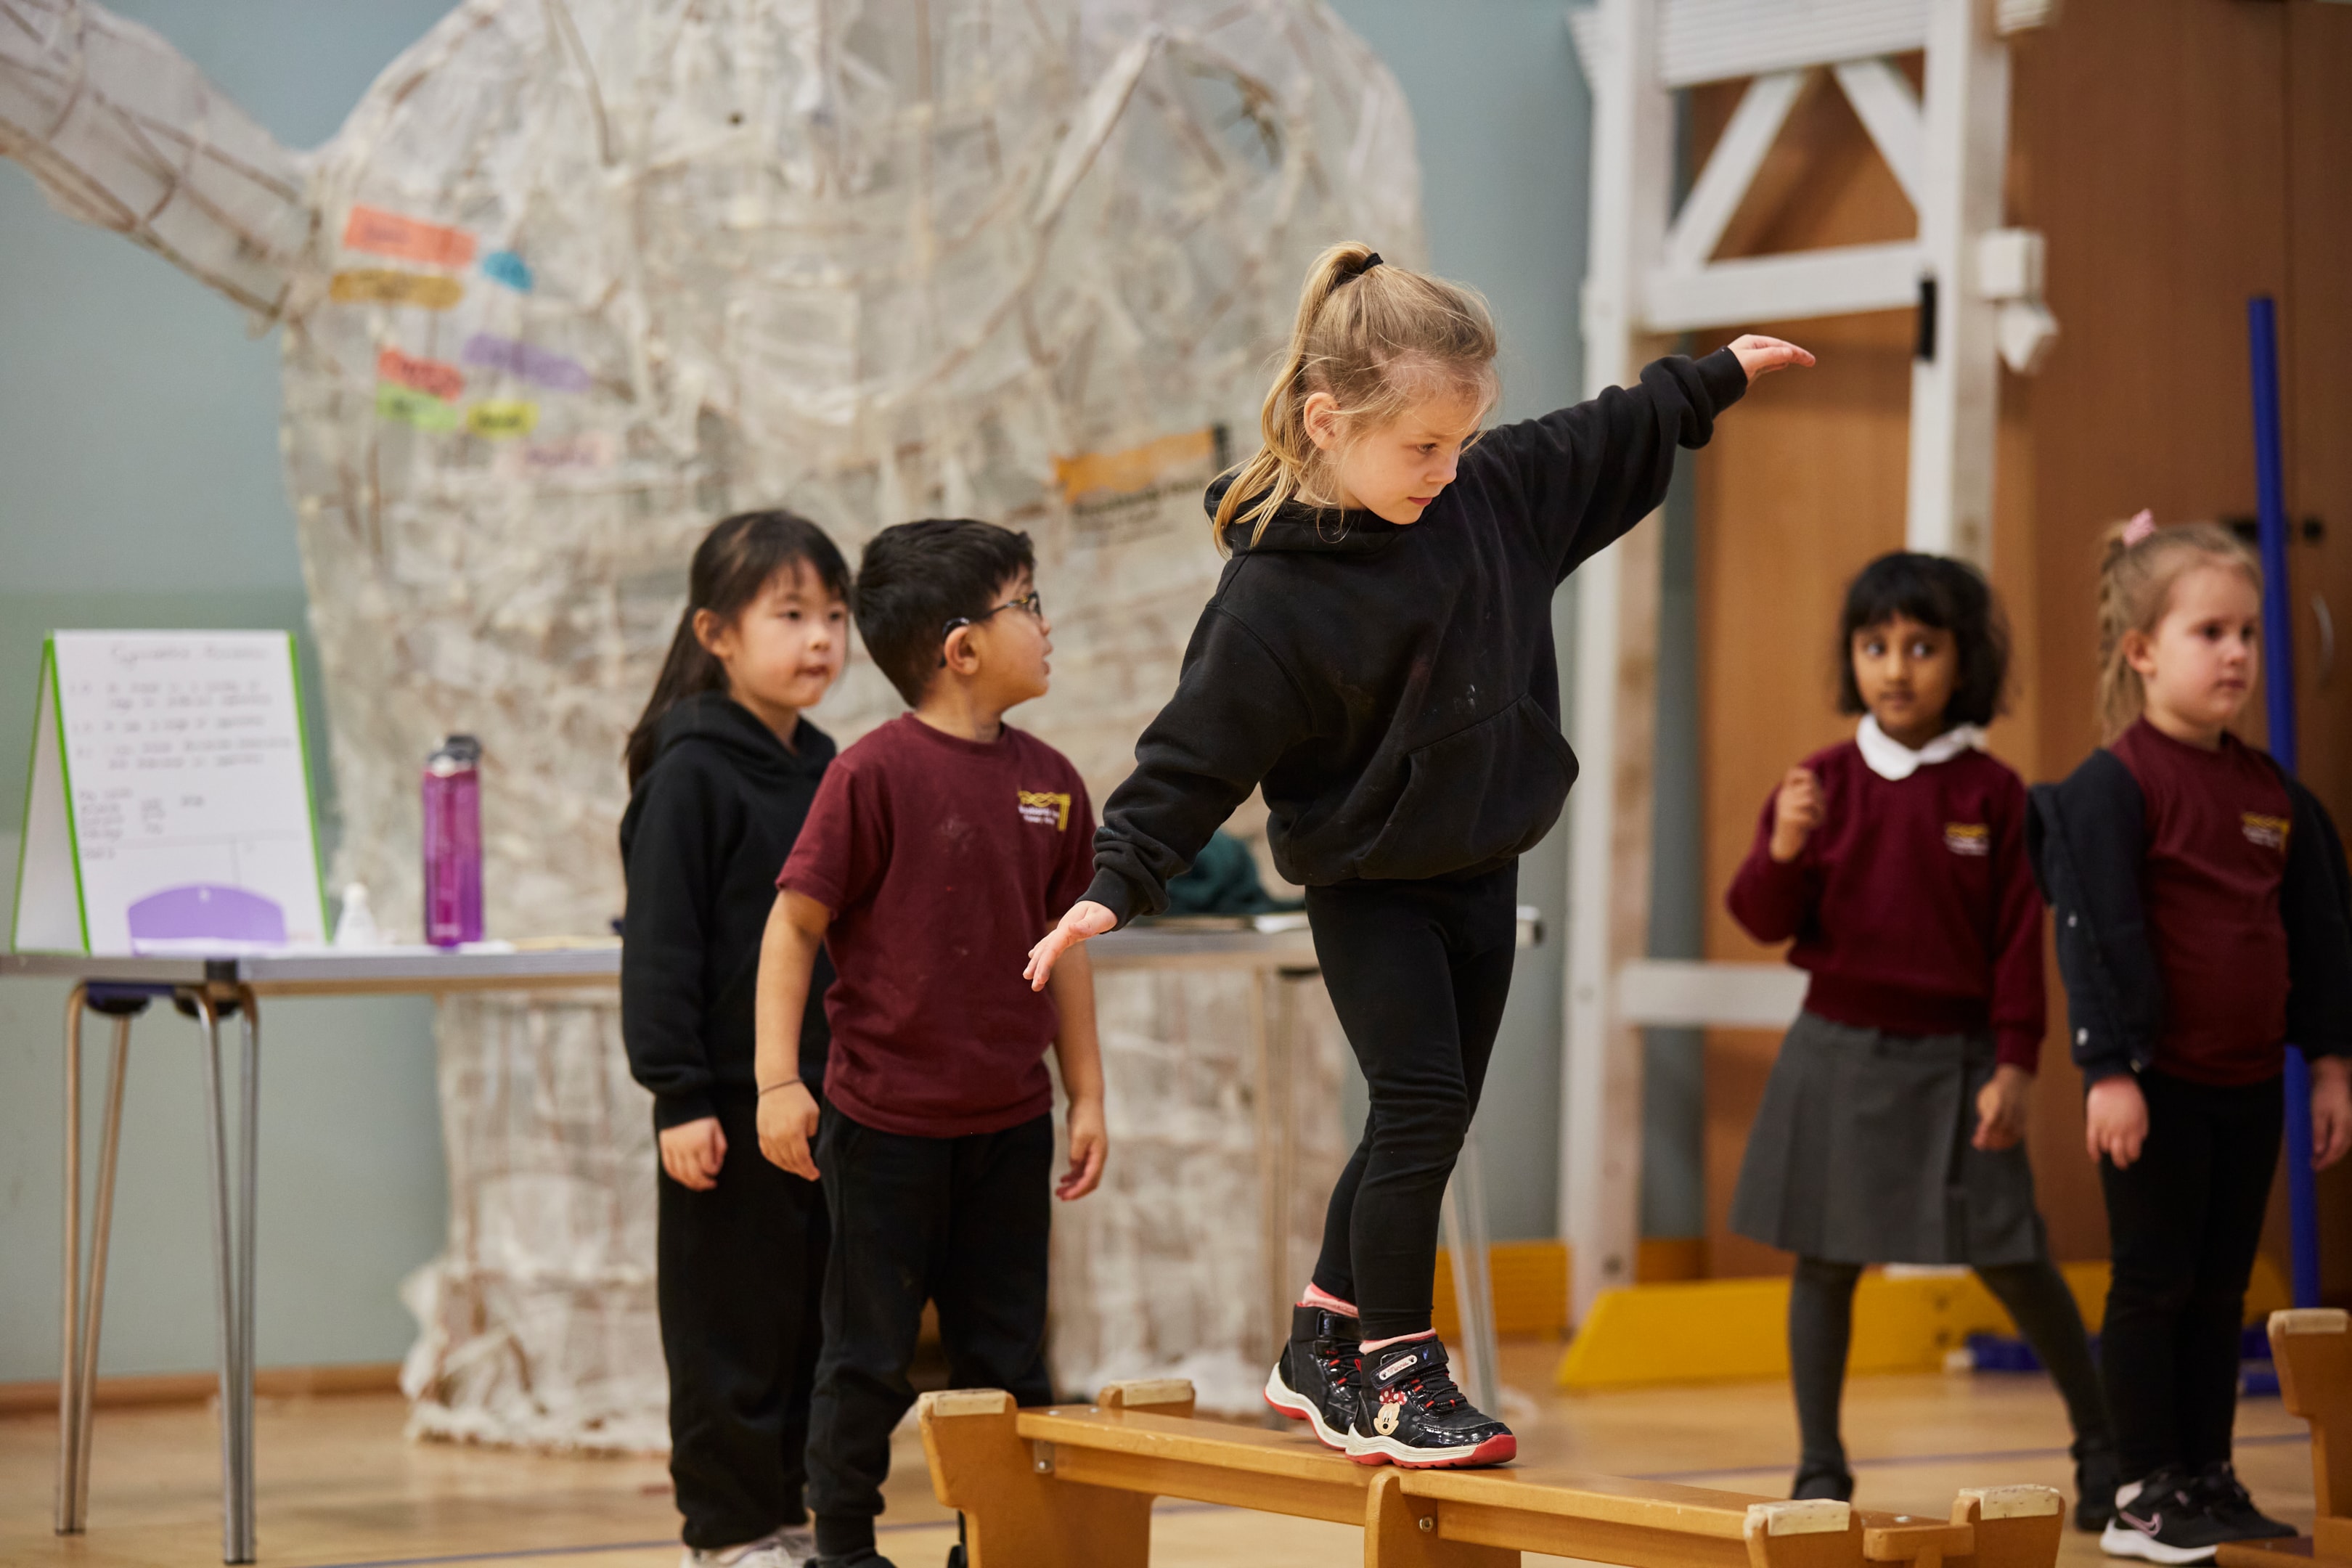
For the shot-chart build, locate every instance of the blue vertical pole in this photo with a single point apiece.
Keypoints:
(2278, 689)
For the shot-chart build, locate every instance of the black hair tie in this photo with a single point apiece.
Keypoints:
(1370, 262)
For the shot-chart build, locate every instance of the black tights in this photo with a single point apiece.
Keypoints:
(1418, 972)
(1820, 1327)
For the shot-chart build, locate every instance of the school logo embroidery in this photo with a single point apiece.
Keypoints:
(1968, 838)
(1046, 809)
(2269, 832)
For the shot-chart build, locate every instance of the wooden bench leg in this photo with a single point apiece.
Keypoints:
(2016, 1527)
(1016, 1513)
(1401, 1531)
(1813, 1533)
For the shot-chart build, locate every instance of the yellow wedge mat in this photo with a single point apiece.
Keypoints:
(1725, 1330)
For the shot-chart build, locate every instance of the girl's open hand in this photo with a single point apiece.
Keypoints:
(2115, 1119)
(1796, 812)
(692, 1152)
(787, 1126)
(2000, 1108)
(2331, 1110)
(1085, 919)
(1759, 357)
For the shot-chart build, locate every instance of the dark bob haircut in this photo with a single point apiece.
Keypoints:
(917, 577)
(1935, 590)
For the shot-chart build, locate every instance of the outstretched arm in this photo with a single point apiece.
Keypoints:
(123, 133)
(1586, 474)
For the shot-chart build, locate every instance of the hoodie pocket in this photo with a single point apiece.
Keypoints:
(1480, 795)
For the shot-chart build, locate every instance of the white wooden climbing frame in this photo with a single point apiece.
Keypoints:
(1654, 274)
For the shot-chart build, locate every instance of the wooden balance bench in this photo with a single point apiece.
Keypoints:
(2312, 1349)
(1071, 1487)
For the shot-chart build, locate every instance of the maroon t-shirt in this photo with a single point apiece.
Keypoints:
(1911, 904)
(2215, 828)
(943, 860)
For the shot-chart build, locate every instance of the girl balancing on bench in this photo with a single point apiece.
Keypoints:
(1378, 659)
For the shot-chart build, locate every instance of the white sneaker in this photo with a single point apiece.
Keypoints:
(787, 1548)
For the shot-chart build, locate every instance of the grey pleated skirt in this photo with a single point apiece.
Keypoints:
(1860, 1154)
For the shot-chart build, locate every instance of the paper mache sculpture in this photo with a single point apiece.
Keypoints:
(577, 276)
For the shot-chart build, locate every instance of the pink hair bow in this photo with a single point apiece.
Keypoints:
(2140, 527)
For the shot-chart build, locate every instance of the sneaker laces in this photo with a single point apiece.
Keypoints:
(1438, 1393)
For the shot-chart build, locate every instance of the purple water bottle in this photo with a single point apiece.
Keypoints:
(453, 842)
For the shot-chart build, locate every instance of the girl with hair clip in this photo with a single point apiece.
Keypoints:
(2204, 920)
(1892, 1126)
(722, 768)
(1378, 659)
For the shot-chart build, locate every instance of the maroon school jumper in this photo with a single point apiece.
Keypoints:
(2216, 827)
(1911, 904)
(943, 860)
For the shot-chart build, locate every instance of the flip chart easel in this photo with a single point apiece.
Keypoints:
(169, 806)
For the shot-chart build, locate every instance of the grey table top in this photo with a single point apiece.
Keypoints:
(1280, 944)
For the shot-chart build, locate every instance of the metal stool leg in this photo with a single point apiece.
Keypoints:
(69, 1514)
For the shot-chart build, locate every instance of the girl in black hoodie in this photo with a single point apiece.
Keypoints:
(1378, 659)
(721, 768)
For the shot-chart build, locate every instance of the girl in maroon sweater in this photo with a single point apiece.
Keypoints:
(2202, 923)
(1892, 1127)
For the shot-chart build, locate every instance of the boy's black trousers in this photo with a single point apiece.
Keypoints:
(2184, 1221)
(741, 1269)
(962, 1222)
(1418, 972)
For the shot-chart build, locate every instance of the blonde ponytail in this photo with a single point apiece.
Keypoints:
(1377, 338)
(2137, 574)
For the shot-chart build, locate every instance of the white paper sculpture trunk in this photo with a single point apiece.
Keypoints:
(579, 275)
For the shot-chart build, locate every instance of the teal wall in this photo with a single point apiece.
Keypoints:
(140, 485)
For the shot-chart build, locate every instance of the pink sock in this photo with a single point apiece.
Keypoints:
(1400, 1340)
(1318, 1296)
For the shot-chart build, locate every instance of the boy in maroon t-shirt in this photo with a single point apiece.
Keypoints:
(937, 850)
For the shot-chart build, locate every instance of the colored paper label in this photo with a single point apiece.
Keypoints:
(432, 376)
(586, 452)
(1137, 468)
(505, 266)
(549, 369)
(412, 407)
(406, 239)
(377, 286)
(501, 418)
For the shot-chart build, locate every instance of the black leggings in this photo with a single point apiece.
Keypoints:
(2183, 1223)
(1418, 972)
(1821, 1328)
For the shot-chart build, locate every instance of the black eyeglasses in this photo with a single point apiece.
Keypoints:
(1029, 601)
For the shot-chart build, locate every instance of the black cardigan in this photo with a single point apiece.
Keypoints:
(1392, 687)
(707, 828)
(2087, 839)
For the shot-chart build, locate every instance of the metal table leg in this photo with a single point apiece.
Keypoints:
(232, 1262)
(83, 1311)
(70, 1515)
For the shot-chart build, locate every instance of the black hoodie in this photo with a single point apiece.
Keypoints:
(1392, 687)
(707, 828)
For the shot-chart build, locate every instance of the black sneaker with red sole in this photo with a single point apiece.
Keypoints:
(1315, 1379)
(1409, 1412)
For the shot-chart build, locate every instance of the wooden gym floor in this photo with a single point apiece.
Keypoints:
(339, 1487)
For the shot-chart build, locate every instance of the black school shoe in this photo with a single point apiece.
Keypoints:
(1314, 1380)
(2227, 1504)
(2163, 1520)
(1409, 1414)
